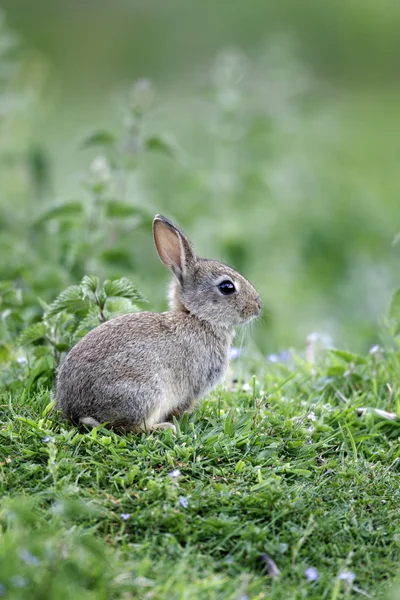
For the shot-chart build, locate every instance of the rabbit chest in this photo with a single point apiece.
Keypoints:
(195, 365)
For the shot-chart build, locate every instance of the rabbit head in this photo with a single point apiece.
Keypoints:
(208, 289)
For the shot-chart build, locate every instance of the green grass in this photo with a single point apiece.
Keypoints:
(287, 468)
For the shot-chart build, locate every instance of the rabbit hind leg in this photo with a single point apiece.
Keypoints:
(165, 426)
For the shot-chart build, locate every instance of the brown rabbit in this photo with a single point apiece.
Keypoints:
(139, 370)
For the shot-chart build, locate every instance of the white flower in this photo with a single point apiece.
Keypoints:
(100, 170)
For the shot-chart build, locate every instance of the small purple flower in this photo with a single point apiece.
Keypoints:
(312, 574)
(29, 558)
(348, 576)
(274, 358)
(125, 516)
(2, 590)
(46, 439)
(183, 501)
(175, 473)
(375, 349)
(234, 353)
(283, 357)
(21, 360)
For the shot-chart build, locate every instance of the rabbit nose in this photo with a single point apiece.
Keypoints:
(258, 303)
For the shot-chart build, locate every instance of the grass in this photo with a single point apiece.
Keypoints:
(279, 464)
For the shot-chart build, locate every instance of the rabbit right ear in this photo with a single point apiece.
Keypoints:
(173, 247)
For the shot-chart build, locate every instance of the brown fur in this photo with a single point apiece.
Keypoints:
(139, 370)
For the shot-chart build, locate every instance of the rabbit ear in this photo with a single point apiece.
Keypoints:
(173, 247)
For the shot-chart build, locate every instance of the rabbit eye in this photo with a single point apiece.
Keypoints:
(226, 287)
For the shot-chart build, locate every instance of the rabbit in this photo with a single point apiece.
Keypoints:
(139, 370)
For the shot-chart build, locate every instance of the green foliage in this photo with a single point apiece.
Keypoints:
(75, 311)
(89, 287)
(70, 300)
(33, 333)
(42, 560)
(10, 319)
(122, 288)
(60, 211)
(100, 138)
(292, 465)
(156, 144)
(394, 311)
(256, 182)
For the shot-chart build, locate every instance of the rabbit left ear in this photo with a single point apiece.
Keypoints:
(173, 247)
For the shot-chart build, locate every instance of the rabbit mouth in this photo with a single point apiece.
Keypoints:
(249, 315)
(246, 318)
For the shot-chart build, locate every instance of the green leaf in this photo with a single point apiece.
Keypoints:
(60, 211)
(87, 323)
(228, 425)
(43, 366)
(122, 288)
(336, 371)
(349, 357)
(99, 138)
(394, 310)
(119, 306)
(43, 304)
(61, 346)
(89, 285)
(33, 333)
(40, 351)
(70, 300)
(116, 208)
(156, 144)
(5, 353)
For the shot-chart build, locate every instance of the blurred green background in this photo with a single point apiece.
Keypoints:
(273, 138)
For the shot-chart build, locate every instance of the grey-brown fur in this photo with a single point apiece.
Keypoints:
(139, 370)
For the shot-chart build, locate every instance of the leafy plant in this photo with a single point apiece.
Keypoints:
(43, 560)
(74, 312)
(91, 235)
(394, 311)
(10, 318)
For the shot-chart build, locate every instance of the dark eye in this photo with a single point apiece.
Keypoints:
(226, 287)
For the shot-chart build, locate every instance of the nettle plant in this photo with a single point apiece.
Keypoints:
(88, 235)
(71, 238)
(77, 310)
